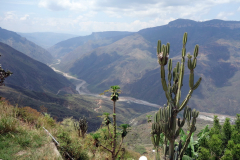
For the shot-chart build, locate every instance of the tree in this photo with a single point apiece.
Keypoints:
(165, 120)
(3, 75)
(216, 129)
(215, 145)
(227, 131)
(237, 123)
(115, 90)
(223, 141)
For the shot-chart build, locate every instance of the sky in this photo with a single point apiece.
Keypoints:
(82, 17)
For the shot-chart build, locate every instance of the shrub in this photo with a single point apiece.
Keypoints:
(203, 154)
(50, 121)
(74, 148)
(236, 151)
(29, 114)
(8, 124)
(68, 124)
(227, 155)
(215, 144)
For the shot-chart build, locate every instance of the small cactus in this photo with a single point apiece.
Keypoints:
(81, 126)
(149, 120)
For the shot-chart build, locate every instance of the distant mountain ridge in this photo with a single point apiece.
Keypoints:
(23, 45)
(211, 23)
(100, 38)
(131, 62)
(46, 39)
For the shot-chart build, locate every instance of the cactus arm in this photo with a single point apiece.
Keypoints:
(184, 103)
(180, 125)
(191, 79)
(197, 83)
(195, 86)
(164, 84)
(180, 81)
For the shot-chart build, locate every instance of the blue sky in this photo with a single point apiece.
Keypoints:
(83, 17)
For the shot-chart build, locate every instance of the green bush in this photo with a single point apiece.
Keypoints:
(236, 151)
(203, 153)
(29, 114)
(215, 144)
(50, 121)
(227, 155)
(221, 142)
(8, 124)
(74, 148)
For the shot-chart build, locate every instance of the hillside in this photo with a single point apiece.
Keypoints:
(46, 39)
(23, 137)
(29, 73)
(96, 39)
(131, 63)
(121, 62)
(35, 84)
(23, 45)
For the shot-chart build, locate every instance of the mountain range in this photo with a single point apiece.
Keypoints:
(129, 59)
(85, 43)
(35, 84)
(131, 62)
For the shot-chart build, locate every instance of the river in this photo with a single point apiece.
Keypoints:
(81, 88)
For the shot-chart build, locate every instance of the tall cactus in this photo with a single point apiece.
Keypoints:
(165, 120)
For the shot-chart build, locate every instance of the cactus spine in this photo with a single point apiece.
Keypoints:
(165, 120)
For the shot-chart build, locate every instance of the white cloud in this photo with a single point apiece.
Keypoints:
(25, 17)
(57, 5)
(136, 25)
(224, 15)
(9, 15)
(104, 15)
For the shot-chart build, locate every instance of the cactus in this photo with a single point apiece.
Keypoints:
(165, 120)
(81, 126)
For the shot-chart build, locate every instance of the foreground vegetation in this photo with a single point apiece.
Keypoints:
(22, 136)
